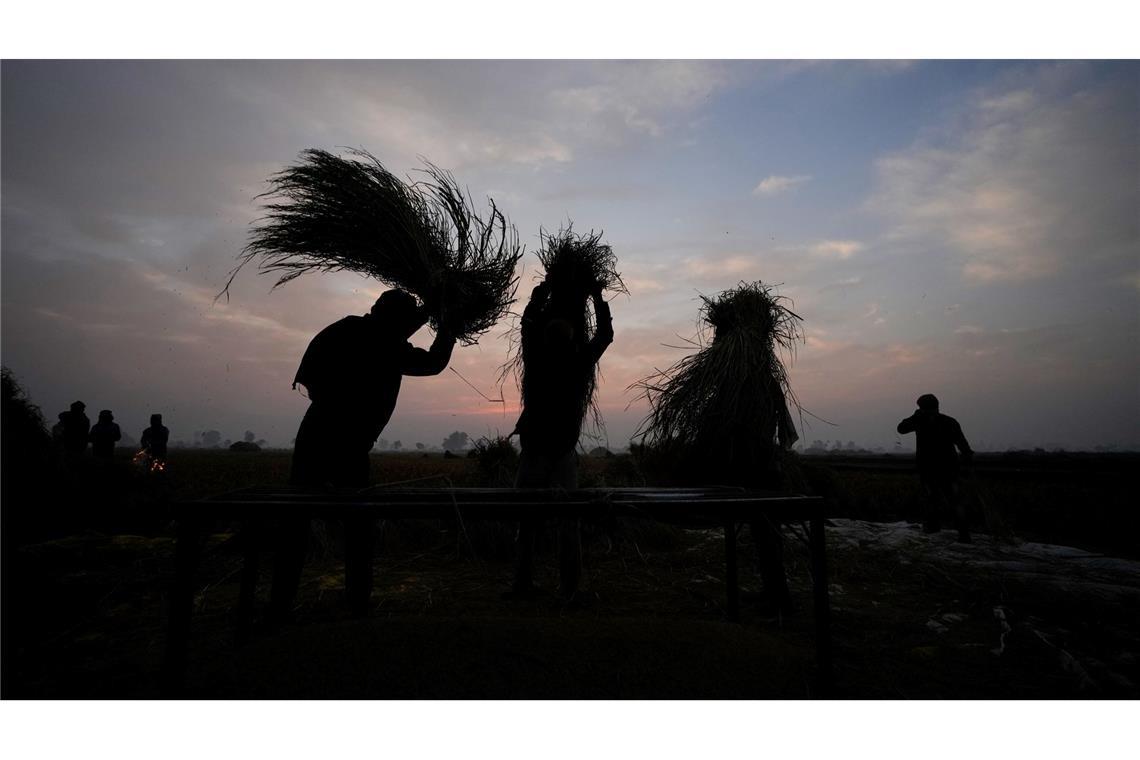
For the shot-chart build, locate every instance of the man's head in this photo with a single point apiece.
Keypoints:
(156, 420)
(106, 416)
(78, 406)
(927, 402)
(399, 311)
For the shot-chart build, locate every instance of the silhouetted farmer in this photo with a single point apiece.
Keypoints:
(154, 439)
(104, 434)
(76, 430)
(57, 430)
(559, 364)
(754, 459)
(936, 438)
(352, 371)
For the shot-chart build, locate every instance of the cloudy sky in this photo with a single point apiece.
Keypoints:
(963, 228)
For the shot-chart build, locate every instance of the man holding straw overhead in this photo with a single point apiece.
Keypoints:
(560, 344)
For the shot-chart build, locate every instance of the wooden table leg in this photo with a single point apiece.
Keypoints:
(187, 550)
(731, 580)
(249, 537)
(822, 604)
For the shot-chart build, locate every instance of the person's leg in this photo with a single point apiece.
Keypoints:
(291, 539)
(569, 557)
(564, 474)
(961, 514)
(931, 505)
(354, 471)
(359, 533)
(770, 548)
(288, 562)
(524, 557)
(531, 474)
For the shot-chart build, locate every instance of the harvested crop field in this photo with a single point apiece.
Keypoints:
(913, 615)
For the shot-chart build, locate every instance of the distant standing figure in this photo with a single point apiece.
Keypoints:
(104, 434)
(352, 371)
(939, 447)
(76, 430)
(57, 430)
(154, 439)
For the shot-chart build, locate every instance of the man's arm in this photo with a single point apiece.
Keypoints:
(785, 428)
(421, 363)
(962, 444)
(604, 335)
(909, 425)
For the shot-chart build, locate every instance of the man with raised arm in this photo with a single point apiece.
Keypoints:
(352, 371)
(940, 446)
(559, 363)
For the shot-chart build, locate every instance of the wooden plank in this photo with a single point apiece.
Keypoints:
(712, 509)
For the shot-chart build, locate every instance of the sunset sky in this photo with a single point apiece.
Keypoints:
(968, 229)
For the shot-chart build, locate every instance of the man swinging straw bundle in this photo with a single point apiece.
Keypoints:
(725, 408)
(425, 240)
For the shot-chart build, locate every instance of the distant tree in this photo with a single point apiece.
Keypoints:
(244, 446)
(211, 439)
(457, 441)
(396, 445)
(261, 442)
(249, 436)
(837, 445)
(226, 443)
(600, 451)
(420, 447)
(381, 444)
(851, 446)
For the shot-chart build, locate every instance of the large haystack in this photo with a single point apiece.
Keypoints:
(727, 407)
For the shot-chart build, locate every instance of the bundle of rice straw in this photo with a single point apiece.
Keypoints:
(573, 266)
(331, 213)
(728, 402)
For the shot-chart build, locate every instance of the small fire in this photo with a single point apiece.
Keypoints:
(148, 463)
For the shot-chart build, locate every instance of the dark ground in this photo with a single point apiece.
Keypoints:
(914, 616)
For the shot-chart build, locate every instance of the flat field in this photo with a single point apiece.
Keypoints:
(1041, 605)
